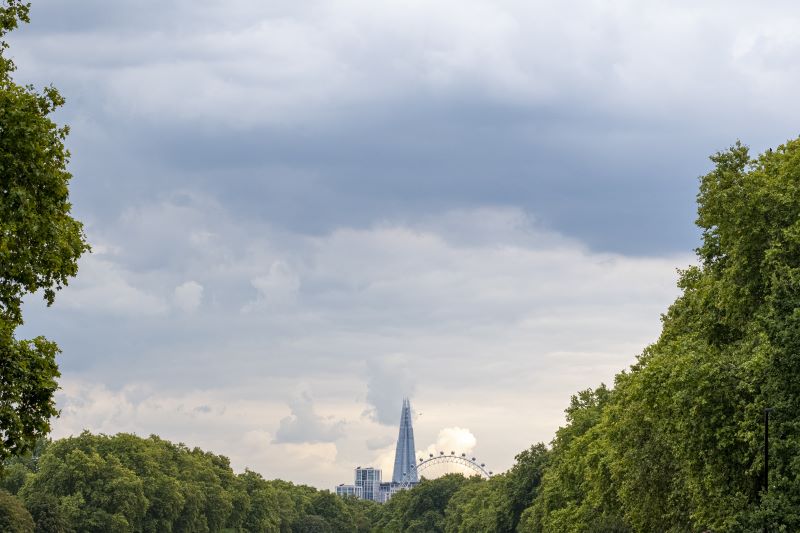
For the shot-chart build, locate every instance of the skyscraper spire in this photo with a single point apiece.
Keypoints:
(404, 456)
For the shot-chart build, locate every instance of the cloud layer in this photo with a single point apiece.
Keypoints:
(301, 212)
(489, 321)
(314, 115)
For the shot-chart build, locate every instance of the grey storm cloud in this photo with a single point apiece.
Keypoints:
(292, 112)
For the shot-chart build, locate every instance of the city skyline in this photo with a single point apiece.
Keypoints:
(368, 483)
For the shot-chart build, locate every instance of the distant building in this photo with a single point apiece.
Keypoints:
(388, 490)
(348, 490)
(404, 455)
(368, 484)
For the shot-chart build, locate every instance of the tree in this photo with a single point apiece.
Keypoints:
(480, 507)
(40, 243)
(46, 514)
(311, 523)
(95, 493)
(14, 518)
(334, 510)
(421, 509)
(364, 512)
(524, 479)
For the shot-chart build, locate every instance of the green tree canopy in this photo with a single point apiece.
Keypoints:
(127, 483)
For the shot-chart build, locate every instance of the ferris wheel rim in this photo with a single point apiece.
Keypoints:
(443, 458)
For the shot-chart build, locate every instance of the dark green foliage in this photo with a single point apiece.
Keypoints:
(14, 518)
(46, 513)
(28, 373)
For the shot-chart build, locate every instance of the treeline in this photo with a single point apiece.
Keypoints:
(124, 483)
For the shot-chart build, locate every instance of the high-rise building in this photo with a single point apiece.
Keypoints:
(404, 455)
(368, 483)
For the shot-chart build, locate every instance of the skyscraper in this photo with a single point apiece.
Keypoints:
(368, 483)
(404, 456)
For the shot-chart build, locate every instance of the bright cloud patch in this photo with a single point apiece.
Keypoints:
(188, 295)
(454, 439)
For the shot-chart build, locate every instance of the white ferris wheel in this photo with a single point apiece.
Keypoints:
(468, 464)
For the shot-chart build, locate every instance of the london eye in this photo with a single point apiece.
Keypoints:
(470, 464)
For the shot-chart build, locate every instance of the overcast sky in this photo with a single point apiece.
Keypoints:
(303, 211)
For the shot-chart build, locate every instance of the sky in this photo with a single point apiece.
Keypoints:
(301, 212)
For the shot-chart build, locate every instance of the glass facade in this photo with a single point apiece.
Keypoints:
(368, 480)
(405, 453)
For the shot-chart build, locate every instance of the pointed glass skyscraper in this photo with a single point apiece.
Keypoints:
(405, 455)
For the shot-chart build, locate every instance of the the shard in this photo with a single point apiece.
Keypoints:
(404, 457)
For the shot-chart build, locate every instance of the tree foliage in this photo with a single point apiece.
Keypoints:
(14, 518)
(124, 483)
(40, 242)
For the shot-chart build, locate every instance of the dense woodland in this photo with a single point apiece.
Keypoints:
(675, 445)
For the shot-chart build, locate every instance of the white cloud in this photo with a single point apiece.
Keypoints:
(107, 286)
(452, 439)
(306, 426)
(187, 296)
